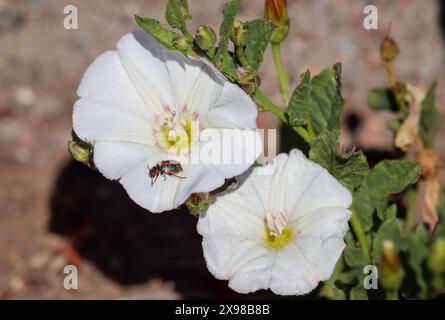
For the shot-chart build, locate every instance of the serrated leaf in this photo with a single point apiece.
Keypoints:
(429, 120)
(317, 103)
(349, 168)
(177, 14)
(299, 113)
(382, 99)
(154, 28)
(389, 230)
(417, 253)
(355, 257)
(260, 32)
(222, 57)
(387, 178)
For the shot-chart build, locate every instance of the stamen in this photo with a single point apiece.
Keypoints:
(276, 223)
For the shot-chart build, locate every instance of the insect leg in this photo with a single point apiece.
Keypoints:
(153, 180)
(177, 176)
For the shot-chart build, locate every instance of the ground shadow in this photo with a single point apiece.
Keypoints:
(129, 244)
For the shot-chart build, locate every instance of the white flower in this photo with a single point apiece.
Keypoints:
(137, 103)
(282, 232)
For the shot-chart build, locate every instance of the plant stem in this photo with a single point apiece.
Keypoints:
(391, 75)
(328, 287)
(392, 294)
(396, 87)
(282, 75)
(270, 106)
(360, 234)
(411, 212)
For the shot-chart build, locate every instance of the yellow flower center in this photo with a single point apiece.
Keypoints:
(178, 133)
(280, 241)
(277, 233)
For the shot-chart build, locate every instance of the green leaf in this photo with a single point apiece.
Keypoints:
(429, 120)
(154, 28)
(389, 230)
(349, 277)
(385, 179)
(317, 103)
(222, 57)
(385, 212)
(382, 99)
(358, 292)
(349, 239)
(299, 112)
(355, 257)
(336, 293)
(417, 253)
(395, 124)
(349, 168)
(329, 289)
(177, 13)
(260, 32)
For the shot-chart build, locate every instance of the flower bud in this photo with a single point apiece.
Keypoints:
(248, 79)
(205, 37)
(239, 34)
(81, 152)
(436, 259)
(392, 274)
(389, 49)
(198, 203)
(276, 12)
(183, 43)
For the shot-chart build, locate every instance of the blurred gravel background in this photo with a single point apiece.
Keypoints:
(49, 205)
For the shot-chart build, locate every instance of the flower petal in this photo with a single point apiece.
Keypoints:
(96, 120)
(157, 197)
(312, 186)
(107, 81)
(241, 261)
(144, 60)
(292, 274)
(200, 84)
(327, 226)
(115, 159)
(169, 193)
(229, 151)
(233, 109)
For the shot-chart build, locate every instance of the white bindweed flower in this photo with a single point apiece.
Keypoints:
(282, 231)
(141, 103)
